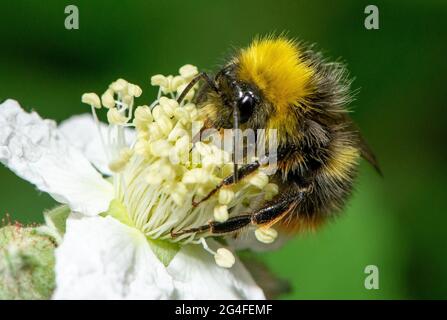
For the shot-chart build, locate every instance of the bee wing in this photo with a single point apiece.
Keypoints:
(368, 154)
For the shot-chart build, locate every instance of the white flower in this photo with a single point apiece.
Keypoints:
(127, 190)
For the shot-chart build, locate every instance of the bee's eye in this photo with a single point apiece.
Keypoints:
(246, 106)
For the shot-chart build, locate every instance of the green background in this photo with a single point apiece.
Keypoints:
(397, 222)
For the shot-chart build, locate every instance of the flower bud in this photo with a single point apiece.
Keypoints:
(26, 264)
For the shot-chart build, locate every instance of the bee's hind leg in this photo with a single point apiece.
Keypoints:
(267, 216)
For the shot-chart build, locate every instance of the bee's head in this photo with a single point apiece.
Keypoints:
(237, 98)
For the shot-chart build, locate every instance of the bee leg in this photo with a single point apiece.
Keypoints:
(265, 216)
(242, 172)
(232, 224)
(275, 211)
(200, 76)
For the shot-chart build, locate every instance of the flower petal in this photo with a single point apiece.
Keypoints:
(196, 276)
(35, 151)
(101, 258)
(82, 132)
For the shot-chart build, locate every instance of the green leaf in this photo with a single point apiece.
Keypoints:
(164, 250)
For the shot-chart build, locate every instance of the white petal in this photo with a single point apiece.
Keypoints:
(82, 132)
(101, 258)
(196, 276)
(35, 151)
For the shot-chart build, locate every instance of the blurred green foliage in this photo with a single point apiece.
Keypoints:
(397, 223)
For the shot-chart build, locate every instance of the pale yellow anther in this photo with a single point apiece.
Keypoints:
(159, 80)
(134, 90)
(141, 147)
(195, 176)
(143, 114)
(120, 163)
(211, 161)
(164, 124)
(270, 190)
(192, 110)
(158, 112)
(203, 149)
(116, 117)
(224, 258)
(154, 131)
(169, 105)
(221, 213)
(266, 235)
(226, 195)
(107, 99)
(91, 99)
(182, 145)
(190, 93)
(142, 135)
(167, 172)
(127, 99)
(177, 133)
(259, 180)
(190, 107)
(160, 171)
(168, 88)
(119, 85)
(182, 115)
(188, 71)
(142, 127)
(176, 82)
(160, 148)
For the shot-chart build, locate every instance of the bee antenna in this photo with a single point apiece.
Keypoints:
(192, 83)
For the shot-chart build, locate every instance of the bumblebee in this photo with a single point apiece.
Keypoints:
(278, 83)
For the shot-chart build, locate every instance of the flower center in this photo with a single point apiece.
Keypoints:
(158, 173)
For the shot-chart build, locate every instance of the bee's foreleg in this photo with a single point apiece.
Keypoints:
(232, 224)
(243, 171)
